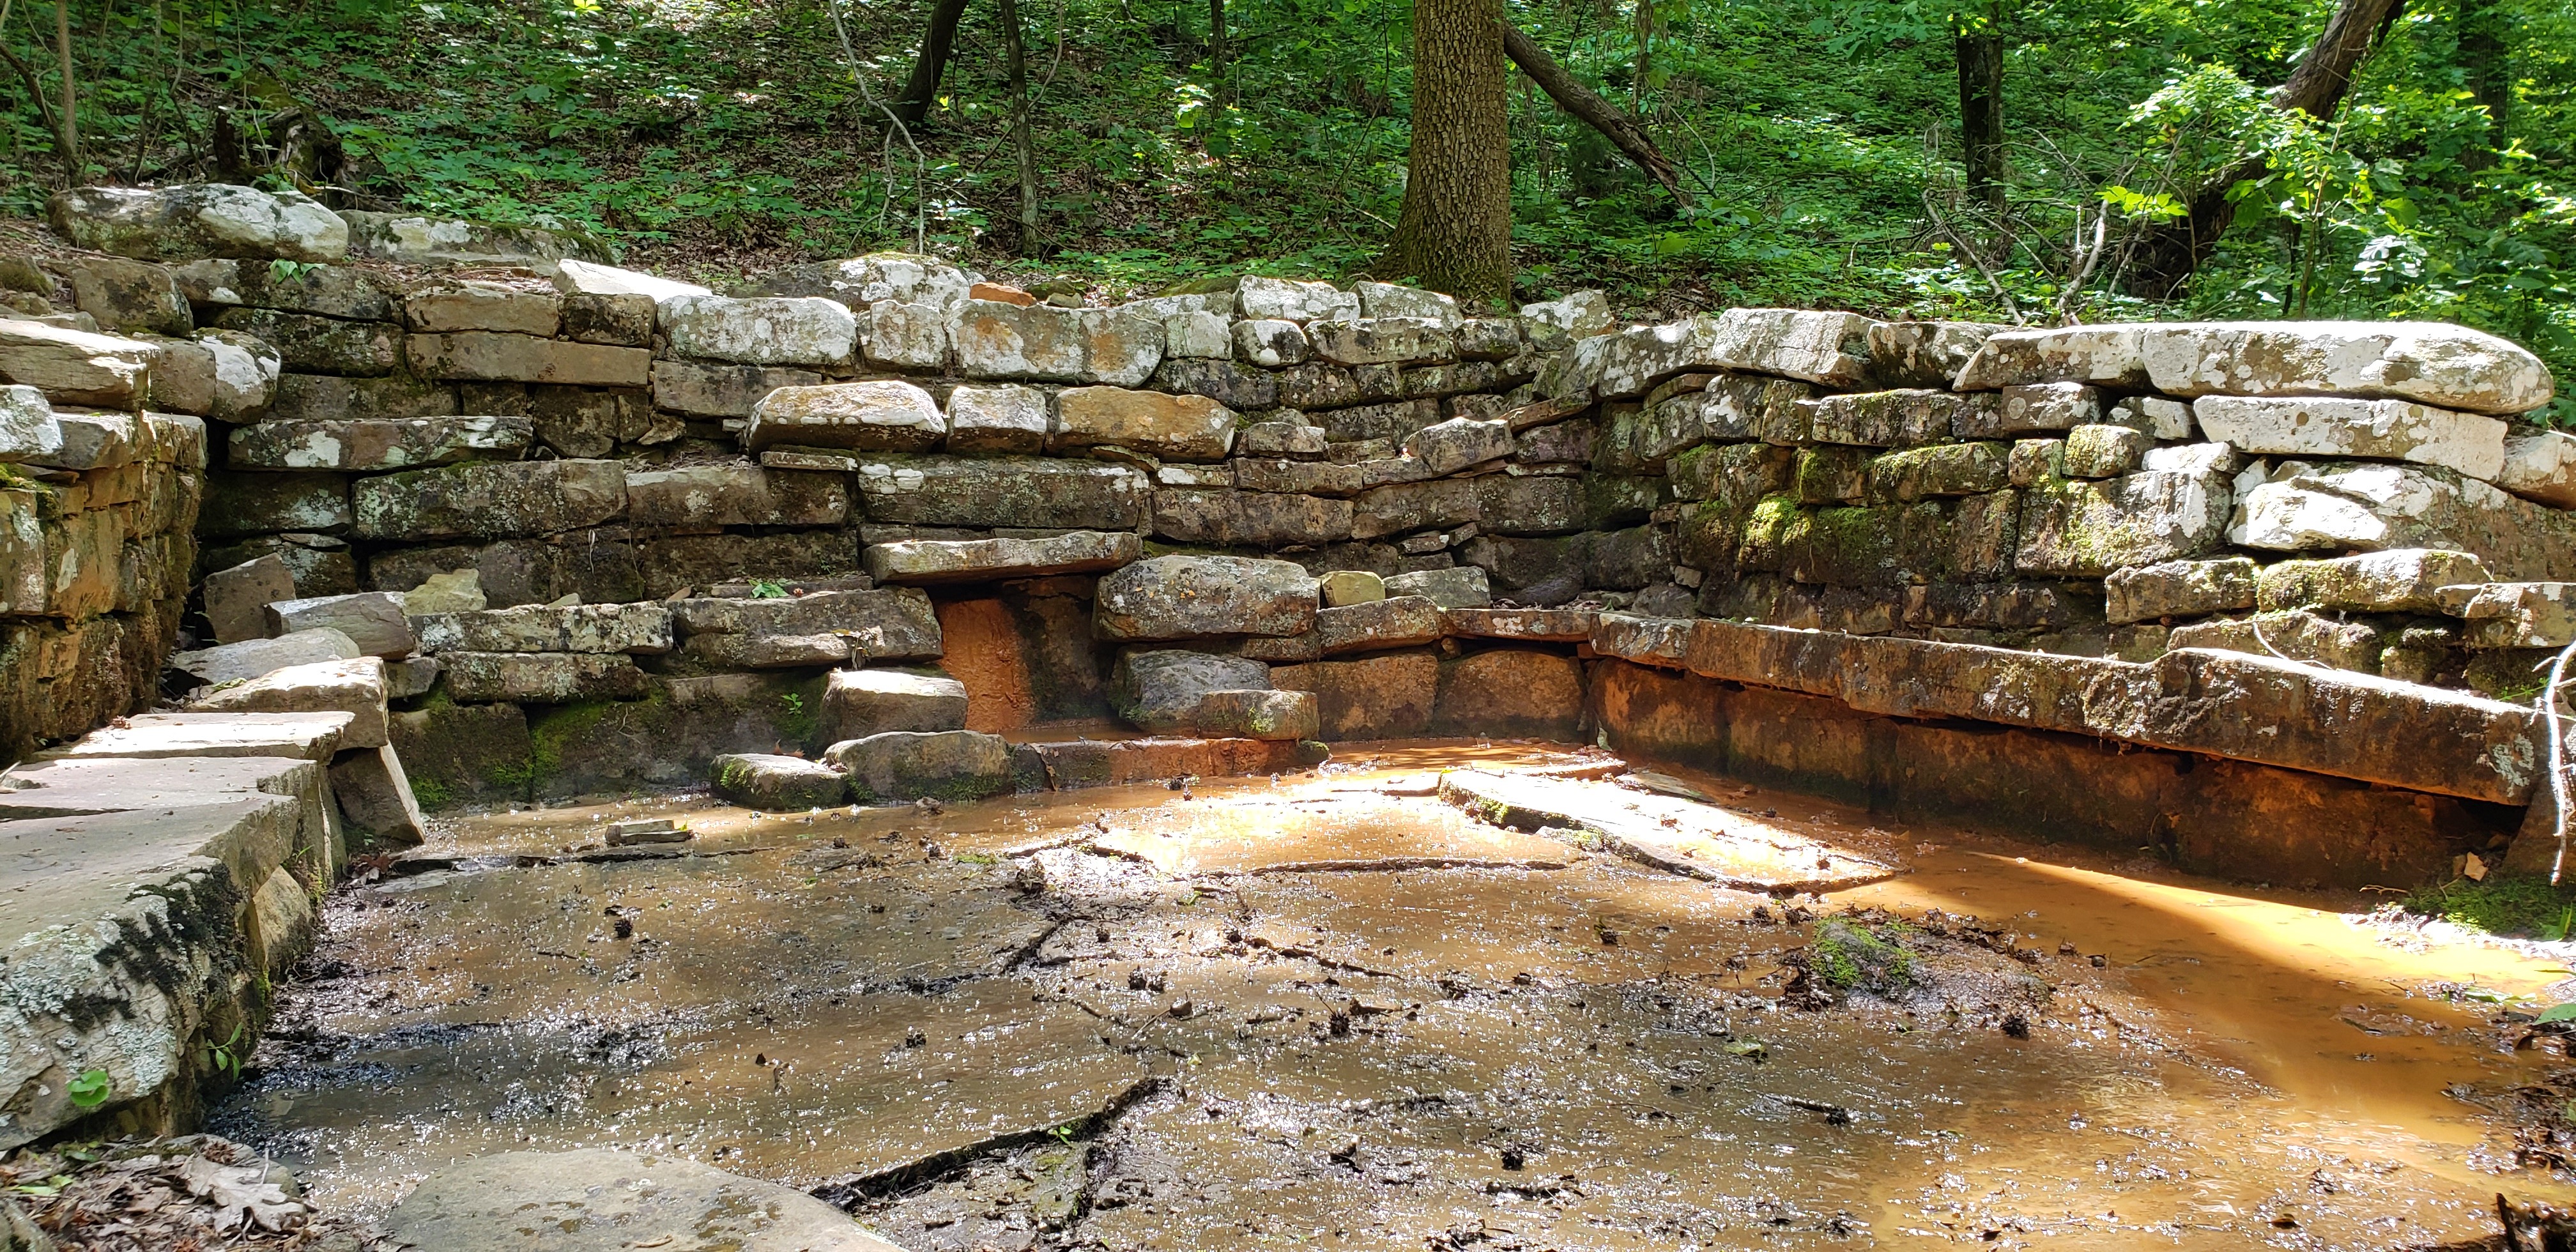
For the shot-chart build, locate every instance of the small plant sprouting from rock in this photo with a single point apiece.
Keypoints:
(90, 1090)
(222, 1059)
(768, 589)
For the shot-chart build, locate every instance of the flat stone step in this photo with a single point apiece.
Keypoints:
(601, 1200)
(1668, 832)
(77, 786)
(305, 736)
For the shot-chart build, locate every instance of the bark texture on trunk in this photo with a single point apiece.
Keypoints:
(932, 64)
(70, 114)
(1981, 115)
(1455, 234)
(2173, 252)
(1586, 106)
(1023, 145)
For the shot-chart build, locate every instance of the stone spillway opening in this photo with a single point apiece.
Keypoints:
(1464, 993)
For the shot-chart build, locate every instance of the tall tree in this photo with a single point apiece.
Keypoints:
(927, 68)
(70, 116)
(1981, 112)
(1016, 57)
(2172, 252)
(1455, 233)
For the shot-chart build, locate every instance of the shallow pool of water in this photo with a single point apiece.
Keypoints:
(1329, 1010)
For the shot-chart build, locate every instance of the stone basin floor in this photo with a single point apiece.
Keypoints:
(1330, 1010)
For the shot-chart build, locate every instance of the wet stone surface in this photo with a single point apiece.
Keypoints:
(1336, 1010)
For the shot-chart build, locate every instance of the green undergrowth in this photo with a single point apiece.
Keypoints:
(2521, 906)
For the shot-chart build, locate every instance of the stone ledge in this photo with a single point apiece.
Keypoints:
(2225, 704)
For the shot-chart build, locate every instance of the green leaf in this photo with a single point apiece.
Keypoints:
(89, 1090)
(2559, 1013)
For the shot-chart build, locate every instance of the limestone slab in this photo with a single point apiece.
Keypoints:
(2335, 426)
(637, 629)
(250, 658)
(977, 560)
(378, 443)
(1181, 597)
(305, 736)
(761, 330)
(879, 416)
(1029, 491)
(600, 1200)
(2432, 363)
(355, 687)
(489, 356)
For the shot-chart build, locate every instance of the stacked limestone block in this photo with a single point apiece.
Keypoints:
(97, 517)
(2111, 490)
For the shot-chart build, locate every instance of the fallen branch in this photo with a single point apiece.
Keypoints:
(1588, 107)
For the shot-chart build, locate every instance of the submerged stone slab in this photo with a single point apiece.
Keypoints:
(379, 443)
(1678, 835)
(776, 784)
(902, 765)
(2331, 426)
(599, 1200)
(2432, 363)
(885, 415)
(1183, 597)
(981, 560)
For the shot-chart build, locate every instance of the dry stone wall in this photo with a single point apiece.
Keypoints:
(467, 421)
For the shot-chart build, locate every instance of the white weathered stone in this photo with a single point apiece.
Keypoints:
(2394, 429)
(1453, 445)
(1270, 343)
(864, 282)
(2161, 417)
(2401, 580)
(2431, 363)
(1397, 300)
(2193, 458)
(226, 375)
(1120, 347)
(2107, 355)
(2029, 407)
(2539, 467)
(2141, 593)
(200, 220)
(76, 367)
(589, 278)
(2367, 507)
(2521, 615)
(1288, 300)
(883, 415)
(1576, 315)
(1001, 419)
(762, 330)
(1197, 334)
(373, 620)
(865, 702)
(355, 687)
(1820, 347)
(598, 1200)
(28, 431)
(1458, 587)
(1380, 341)
(905, 335)
(999, 339)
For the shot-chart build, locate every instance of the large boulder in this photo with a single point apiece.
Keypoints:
(2432, 363)
(600, 1200)
(901, 765)
(1185, 597)
(199, 220)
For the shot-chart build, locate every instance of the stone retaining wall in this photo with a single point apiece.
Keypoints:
(695, 507)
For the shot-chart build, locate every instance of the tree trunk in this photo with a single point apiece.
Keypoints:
(70, 117)
(2486, 60)
(1581, 103)
(2171, 253)
(1216, 50)
(923, 86)
(1455, 234)
(1015, 56)
(1981, 115)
